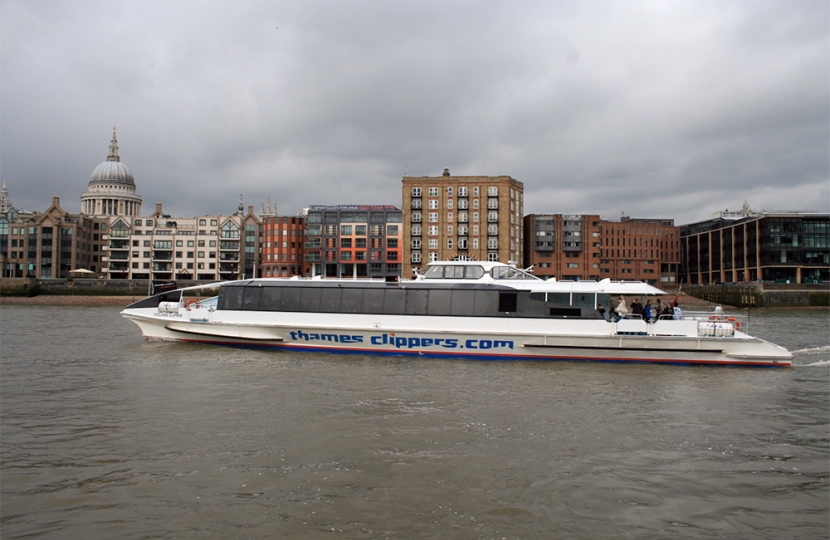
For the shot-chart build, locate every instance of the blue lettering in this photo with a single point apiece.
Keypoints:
(400, 342)
(450, 343)
(470, 344)
(376, 340)
(357, 339)
(485, 344)
(328, 337)
(414, 342)
(508, 344)
(426, 342)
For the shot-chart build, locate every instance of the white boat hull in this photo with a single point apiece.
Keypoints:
(665, 342)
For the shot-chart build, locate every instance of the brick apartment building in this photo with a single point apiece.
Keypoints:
(461, 217)
(586, 247)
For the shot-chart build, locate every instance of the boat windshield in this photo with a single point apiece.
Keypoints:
(508, 272)
(453, 271)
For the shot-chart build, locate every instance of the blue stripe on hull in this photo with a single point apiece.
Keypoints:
(481, 356)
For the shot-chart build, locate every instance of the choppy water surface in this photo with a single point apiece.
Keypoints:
(106, 435)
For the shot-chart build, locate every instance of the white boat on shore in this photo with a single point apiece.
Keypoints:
(457, 309)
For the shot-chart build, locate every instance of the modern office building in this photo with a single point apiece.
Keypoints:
(461, 217)
(769, 246)
(353, 241)
(586, 247)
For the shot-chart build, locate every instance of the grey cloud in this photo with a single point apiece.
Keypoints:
(655, 110)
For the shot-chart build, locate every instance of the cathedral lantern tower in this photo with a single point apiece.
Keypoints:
(111, 190)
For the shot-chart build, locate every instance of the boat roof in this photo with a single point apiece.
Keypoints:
(479, 273)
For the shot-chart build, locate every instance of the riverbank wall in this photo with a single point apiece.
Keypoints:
(763, 294)
(79, 287)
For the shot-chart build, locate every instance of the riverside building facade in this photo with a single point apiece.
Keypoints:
(772, 246)
(586, 247)
(461, 218)
(353, 241)
(282, 244)
(46, 245)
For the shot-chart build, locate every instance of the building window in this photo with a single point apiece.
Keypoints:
(433, 192)
(462, 191)
(433, 217)
(416, 192)
(433, 230)
(493, 191)
(433, 204)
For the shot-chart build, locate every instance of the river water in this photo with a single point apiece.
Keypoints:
(105, 435)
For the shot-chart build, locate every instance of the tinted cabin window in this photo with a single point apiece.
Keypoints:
(439, 302)
(584, 300)
(351, 301)
(485, 305)
(474, 272)
(373, 300)
(416, 302)
(330, 300)
(290, 300)
(454, 272)
(231, 297)
(270, 300)
(560, 298)
(463, 303)
(250, 298)
(394, 303)
(507, 302)
(310, 299)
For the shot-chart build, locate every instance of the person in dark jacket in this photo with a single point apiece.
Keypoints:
(636, 308)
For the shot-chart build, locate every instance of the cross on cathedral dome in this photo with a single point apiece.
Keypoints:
(112, 170)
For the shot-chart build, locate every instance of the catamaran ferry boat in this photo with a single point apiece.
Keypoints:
(456, 310)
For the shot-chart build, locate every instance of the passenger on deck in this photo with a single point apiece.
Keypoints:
(621, 309)
(648, 312)
(678, 313)
(636, 309)
(601, 311)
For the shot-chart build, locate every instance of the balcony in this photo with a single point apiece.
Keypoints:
(119, 256)
(119, 267)
(225, 268)
(312, 257)
(162, 255)
(119, 244)
(162, 267)
(232, 257)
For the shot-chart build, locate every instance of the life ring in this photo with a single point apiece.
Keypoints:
(714, 318)
(734, 321)
(192, 304)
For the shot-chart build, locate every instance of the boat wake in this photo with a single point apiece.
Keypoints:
(822, 363)
(814, 350)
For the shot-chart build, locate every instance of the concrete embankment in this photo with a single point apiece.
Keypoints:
(764, 294)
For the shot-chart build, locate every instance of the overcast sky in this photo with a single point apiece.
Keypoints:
(652, 109)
